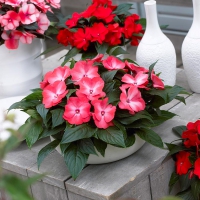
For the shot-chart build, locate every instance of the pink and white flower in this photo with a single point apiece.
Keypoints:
(54, 3)
(84, 69)
(77, 111)
(54, 93)
(103, 113)
(43, 23)
(11, 39)
(27, 37)
(10, 21)
(131, 100)
(157, 82)
(140, 80)
(28, 13)
(92, 88)
(113, 63)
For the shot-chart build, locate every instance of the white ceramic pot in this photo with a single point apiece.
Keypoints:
(112, 153)
(191, 51)
(155, 46)
(20, 70)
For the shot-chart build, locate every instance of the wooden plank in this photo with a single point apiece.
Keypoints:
(54, 166)
(190, 111)
(159, 180)
(43, 191)
(19, 160)
(140, 191)
(108, 181)
(73, 196)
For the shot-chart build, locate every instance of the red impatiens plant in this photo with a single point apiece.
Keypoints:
(95, 102)
(24, 20)
(187, 160)
(101, 28)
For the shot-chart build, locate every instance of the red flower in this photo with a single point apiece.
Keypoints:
(77, 111)
(113, 63)
(91, 88)
(89, 11)
(54, 93)
(140, 80)
(45, 81)
(114, 34)
(197, 167)
(103, 113)
(98, 32)
(73, 21)
(65, 37)
(157, 82)
(131, 100)
(82, 38)
(191, 138)
(194, 126)
(183, 163)
(84, 69)
(104, 13)
(135, 69)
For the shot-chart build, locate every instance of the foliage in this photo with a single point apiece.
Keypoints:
(94, 103)
(101, 28)
(187, 161)
(25, 20)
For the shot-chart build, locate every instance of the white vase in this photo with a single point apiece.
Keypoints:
(155, 46)
(191, 51)
(112, 153)
(20, 70)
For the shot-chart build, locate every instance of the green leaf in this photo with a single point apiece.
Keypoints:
(57, 117)
(86, 146)
(15, 187)
(140, 115)
(122, 9)
(52, 131)
(71, 91)
(100, 146)
(36, 95)
(75, 160)
(143, 22)
(150, 136)
(173, 148)
(195, 188)
(64, 147)
(34, 129)
(164, 26)
(171, 198)
(178, 130)
(108, 75)
(173, 180)
(130, 140)
(77, 133)
(45, 151)
(101, 48)
(43, 112)
(33, 26)
(114, 96)
(118, 51)
(186, 195)
(185, 182)
(181, 99)
(173, 92)
(24, 105)
(88, 55)
(71, 53)
(111, 135)
(108, 87)
(164, 116)
(49, 50)
(34, 114)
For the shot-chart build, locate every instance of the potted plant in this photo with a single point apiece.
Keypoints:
(21, 23)
(185, 152)
(94, 104)
(102, 28)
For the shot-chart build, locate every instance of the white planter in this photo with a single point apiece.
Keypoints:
(112, 153)
(191, 51)
(155, 46)
(20, 71)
